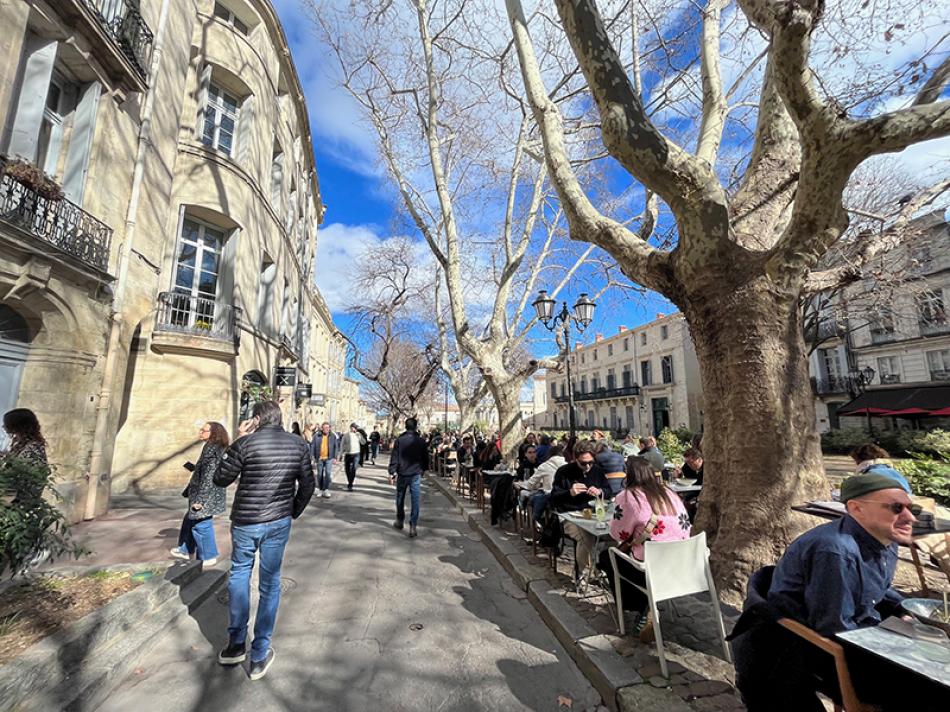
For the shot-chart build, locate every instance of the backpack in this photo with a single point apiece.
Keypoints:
(552, 533)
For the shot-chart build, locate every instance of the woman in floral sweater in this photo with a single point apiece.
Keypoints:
(645, 509)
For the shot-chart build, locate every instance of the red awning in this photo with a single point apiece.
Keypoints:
(907, 411)
(866, 411)
(942, 411)
(902, 402)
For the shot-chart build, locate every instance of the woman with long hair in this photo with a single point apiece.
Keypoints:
(645, 509)
(26, 438)
(205, 499)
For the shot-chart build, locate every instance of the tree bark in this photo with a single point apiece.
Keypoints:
(507, 395)
(763, 454)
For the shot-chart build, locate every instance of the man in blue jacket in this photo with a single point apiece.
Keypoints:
(409, 460)
(323, 450)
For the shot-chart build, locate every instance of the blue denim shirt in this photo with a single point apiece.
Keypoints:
(834, 577)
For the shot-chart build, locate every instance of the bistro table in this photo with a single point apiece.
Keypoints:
(836, 510)
(928, 659)
(684, 489)
(600, 530)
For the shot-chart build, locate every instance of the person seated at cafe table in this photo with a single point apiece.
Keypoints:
(870, 457)
(611, 463)
(692, 468)
(644, 509)
(833, 578)
(575, 485)
(537, 487)
(651, 453)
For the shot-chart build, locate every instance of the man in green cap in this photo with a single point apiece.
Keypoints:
(833, 578)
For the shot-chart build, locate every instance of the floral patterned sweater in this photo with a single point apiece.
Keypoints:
(633, 511)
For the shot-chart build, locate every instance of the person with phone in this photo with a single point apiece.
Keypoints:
(275, 483)
(205, 499)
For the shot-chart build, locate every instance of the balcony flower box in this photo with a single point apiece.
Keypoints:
(32, 177)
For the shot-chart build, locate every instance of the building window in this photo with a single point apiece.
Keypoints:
(610, 349)
(553, 389)
(277, 178)
(939, 363)
(224, 14)
(584, 384)
(889, 369)
(646, 373)
(611, 379)
(595, 354)
(882, 325)
(196, 273)
(666, 366)
(594, 382)
(931, 314)
(627, 381)
(626, 344)
(582, 357)
(221, 115)
(664, 332)
(643, 339)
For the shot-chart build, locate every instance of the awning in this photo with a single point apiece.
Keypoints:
(905, 402)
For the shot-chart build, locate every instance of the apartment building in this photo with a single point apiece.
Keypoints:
(894, 328)
(640, 380)
(160, 273)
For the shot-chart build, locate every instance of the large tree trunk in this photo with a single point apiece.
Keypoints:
(507, 395)
(761, 450)
(466, 414)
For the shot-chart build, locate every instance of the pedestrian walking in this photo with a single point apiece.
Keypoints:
(364, 446)
(323, 450)
(374, 440)
(351, 454)
(408, 461)
(205, 498)
(275, 485)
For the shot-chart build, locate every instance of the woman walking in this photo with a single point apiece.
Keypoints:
(352, 447)
(205, 499)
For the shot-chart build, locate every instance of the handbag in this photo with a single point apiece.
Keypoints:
(626, 546)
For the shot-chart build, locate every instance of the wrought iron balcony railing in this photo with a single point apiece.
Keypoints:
(61, 223)
(602, 393)
(826, 385)
(195, 316)
(124, 23)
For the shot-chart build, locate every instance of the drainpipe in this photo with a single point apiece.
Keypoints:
(93, 477)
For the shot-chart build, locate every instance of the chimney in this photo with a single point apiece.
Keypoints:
(660, 315)
(599, 337)
(577, 346)
(621, 329)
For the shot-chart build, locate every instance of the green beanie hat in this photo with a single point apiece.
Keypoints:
(863, 484)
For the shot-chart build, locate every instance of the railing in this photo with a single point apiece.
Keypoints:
(883, 335)
(123, 21)
(932, 328)
(940, 375)
(829, 384)
(61, 223)
(196, 316)
(602, 393)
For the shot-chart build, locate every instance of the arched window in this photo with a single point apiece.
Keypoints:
(253, 390)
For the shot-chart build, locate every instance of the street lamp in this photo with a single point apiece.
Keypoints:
(582, 316)
(860, 381)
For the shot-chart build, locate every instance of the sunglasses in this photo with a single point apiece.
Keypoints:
(585, 463)
(898, 507)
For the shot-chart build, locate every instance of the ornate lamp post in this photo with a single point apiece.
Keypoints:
(582, 316)
(860, 380)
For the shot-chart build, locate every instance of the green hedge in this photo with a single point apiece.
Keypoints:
(928, 476)
(896, 442)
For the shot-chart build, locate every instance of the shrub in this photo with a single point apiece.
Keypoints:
(896, 442)
(928, 476)
(670, 445)
(29, 523)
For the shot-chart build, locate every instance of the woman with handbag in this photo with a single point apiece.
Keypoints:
(645, 509)
(205, 499)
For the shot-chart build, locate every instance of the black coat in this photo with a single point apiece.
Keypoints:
(276, 476)
(409, 456)
(567, 475)
(201, 487)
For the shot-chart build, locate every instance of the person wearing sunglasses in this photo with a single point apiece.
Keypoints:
(833, 578)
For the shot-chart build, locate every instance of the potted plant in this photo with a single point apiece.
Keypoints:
(32, 177)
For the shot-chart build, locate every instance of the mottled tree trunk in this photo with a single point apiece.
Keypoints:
(466, 415)
(507, 395)
(760, 447)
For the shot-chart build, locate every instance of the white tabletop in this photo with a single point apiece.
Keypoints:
(932, 660)
(591, 526)
(678, 488)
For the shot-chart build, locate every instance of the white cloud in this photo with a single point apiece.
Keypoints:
(340, 249)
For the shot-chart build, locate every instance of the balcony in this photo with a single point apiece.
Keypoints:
(60, 223)
(602, 394)
(827, 385)
(195, 316)
(825, 329)
(934, 328)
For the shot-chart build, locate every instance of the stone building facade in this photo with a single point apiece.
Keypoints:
(171, 282)
(639, 380)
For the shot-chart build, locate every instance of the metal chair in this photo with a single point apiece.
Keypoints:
(672, 569)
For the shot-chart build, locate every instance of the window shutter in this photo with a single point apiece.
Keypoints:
(204, 81)
(242, 135)
(40, 55)
(80, 143)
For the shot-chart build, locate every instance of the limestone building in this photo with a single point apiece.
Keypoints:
(639, 380)
(161, 275)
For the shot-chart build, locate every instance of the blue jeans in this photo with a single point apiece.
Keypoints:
(324, 474)
(413, 484)
(196, 536)
(269, 538)
(539, 502)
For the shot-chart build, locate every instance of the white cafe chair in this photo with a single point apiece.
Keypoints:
(672, 569)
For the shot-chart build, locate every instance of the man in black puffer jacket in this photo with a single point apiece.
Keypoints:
(275, 485)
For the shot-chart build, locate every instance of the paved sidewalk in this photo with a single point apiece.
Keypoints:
(372, 621)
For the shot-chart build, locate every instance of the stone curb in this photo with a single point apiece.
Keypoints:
(78, 666)
(618, 683)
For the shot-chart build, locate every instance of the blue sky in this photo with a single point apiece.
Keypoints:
(360, 205)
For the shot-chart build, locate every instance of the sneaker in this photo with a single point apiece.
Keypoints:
(179, 553)
(397, 524)
(412, 531)
(645, 628)
(234, 654)
(208, 563)
(326, 494)
(349, 488)
(259, 669)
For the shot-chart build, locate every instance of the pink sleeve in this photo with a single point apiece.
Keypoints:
(634, 514)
